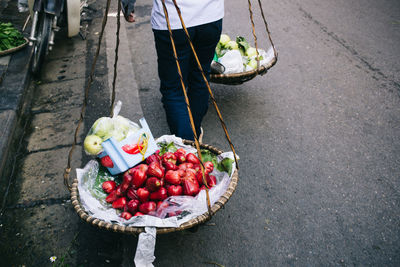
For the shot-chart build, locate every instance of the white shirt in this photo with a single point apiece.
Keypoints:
(194, 12)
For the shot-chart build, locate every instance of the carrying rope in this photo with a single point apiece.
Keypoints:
(85, 99)
(196, 141)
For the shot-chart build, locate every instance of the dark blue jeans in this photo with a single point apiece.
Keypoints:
(204, 38)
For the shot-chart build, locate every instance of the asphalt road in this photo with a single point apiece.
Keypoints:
(318, 137)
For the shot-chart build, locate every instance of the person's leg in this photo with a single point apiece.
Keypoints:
(205, 40)
(170, 82)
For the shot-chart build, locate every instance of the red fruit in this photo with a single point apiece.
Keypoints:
(155, 170)
(175, 190)
(142, 167)
(138, 214)
(112, 197)
(120, 203)
(199, 177)
(185, 165)
(147, 207)
(190, 174)
(161, 194)
(169, 157)
(126, 215)
(190, 188)
(161, 205)
(208, 166)
(173, 177)
(211, 181)
(126, 181)
(181, 172)
(133, 205)
(143, 194)
(202, 187)
(119, 191)
(191, 158)
(131, 193)
(153, 184)
(139, 177)
(109, 186)
(180, 155)
(170, 166)
(107, 162)
(155, 157)
(196, 167)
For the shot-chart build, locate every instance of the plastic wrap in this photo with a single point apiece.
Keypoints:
(105, 127)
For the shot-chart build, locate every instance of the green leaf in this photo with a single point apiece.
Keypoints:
(243, 45)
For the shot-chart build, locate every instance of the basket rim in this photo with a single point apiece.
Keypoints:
(14, 49)
(160, 230)
(241, 77)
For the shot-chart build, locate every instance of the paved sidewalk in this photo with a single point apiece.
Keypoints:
(14, 96)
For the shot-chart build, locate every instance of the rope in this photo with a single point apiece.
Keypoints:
(207, 84)
(116, 59)
(254, 34)
(187, 104)
(85, 100)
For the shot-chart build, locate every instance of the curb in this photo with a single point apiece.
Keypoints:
(15, 99)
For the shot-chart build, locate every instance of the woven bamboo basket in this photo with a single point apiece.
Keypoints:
(14, 49)
(239, 78)
(83, 214)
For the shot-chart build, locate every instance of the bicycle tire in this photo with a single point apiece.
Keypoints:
(41, 45)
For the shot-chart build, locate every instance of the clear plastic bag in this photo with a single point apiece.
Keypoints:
(105, 127)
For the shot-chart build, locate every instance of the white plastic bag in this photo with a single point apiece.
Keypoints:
(232, 61)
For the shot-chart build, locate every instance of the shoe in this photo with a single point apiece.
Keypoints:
(201, 135)
(128, 17)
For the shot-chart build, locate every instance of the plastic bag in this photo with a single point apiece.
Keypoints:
(186, 207)
(105, 127)
(232, 61)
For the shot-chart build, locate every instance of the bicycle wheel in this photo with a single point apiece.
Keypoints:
(41, 45)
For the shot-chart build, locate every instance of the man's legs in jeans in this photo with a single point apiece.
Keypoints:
(205, 38)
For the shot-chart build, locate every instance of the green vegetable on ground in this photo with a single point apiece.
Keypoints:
(10, 37)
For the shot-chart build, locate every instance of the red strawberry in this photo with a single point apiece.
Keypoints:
(107, 162)
(147, 207)
(109, 186)
(126, 215)
(112, 197)
(120, 203)
(190, 157)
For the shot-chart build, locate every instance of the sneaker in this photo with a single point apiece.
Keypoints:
(201, 135)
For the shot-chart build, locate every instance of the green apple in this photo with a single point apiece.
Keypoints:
(252, 63)
(232, 45)
(251, 52)
(224, 39)
(103, 128)
(92, 144)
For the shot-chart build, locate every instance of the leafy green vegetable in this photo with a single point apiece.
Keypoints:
(243, 45)
(207, 155)
(9, 37)
(102, 176)
(167, 148)
(226, 165)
